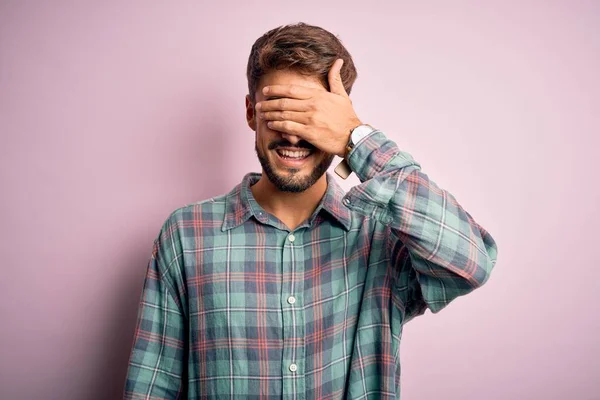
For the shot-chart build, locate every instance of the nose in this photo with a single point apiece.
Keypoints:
(293, 139)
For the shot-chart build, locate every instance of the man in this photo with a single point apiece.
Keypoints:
(287, 287)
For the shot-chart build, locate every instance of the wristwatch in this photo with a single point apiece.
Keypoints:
(356, 135)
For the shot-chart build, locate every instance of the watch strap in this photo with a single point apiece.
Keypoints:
(343, 169)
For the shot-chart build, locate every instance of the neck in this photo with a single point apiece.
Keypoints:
(291, 208)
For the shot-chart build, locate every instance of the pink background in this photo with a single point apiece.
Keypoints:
(113, 115)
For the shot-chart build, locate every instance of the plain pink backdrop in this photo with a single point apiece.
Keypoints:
(113, 114)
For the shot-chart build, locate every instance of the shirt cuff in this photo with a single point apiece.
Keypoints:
(371, 155)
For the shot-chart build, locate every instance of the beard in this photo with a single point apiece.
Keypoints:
(292, 182)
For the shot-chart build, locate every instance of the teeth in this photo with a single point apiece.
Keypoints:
(294, 154)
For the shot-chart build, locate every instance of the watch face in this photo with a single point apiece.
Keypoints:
(360, 132)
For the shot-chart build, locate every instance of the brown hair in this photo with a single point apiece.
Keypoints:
(306, 49)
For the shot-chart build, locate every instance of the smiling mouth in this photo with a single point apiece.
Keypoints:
(294, 155)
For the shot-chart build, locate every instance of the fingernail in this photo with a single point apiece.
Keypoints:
(266, 90)
(258, 106)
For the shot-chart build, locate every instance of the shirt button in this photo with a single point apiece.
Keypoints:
(293, 367)
(346, 201)
(291, 299)
(291, 238)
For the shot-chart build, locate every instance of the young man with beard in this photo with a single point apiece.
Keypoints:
(287, 287)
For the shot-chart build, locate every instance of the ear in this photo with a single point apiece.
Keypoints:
(250, 113)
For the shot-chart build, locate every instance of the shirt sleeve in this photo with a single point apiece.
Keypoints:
(449, 254)
(157, 362)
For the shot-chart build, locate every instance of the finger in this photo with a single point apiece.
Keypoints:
(284, 104)
(291, 91)
(290, 127)
(335, 78)
(300, 117)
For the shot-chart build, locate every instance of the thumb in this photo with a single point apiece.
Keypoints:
(335, 79)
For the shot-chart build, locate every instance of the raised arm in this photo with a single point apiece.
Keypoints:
(449, 252)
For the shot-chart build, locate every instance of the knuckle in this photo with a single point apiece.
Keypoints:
(283, 115)
(282, 102)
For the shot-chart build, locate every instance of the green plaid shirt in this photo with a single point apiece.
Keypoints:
(236, 306)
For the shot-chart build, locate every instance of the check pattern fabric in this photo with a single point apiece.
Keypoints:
(235, 306)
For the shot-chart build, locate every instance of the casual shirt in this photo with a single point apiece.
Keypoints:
(235, 305)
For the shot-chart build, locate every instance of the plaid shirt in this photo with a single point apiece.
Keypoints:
(236, 306)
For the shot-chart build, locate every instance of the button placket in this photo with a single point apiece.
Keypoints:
(293, 314)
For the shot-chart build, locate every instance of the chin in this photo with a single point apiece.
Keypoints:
(292, 183)
(291, 176)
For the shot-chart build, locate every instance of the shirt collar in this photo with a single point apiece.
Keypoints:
(241, 205)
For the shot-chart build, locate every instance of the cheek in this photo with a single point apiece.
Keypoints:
(266, 135)
(262, 127)
(263, 139)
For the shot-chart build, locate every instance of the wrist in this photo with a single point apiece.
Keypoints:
(348, 138)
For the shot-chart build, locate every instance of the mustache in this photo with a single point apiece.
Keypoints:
(303, 144)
